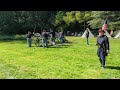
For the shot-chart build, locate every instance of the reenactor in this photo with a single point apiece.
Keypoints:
(87, 36)
(103, 47)
(52, 33)
(45, 36)
(29, 40)
(61, 36)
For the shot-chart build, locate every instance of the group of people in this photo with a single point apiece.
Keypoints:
(102, 42)
(45, 36)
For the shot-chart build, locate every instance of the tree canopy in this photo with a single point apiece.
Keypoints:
(19, 22)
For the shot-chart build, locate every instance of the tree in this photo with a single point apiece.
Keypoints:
(99, 16)
(85, 16)
(114, 19)
(59, 22)
(43, 19)
(77, 16)
(7, 21)
(22, 21)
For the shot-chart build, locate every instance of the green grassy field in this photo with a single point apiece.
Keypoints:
(74, 60)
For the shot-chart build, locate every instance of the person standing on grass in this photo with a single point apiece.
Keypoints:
(29, 40)
(87, 36)
(52, 32)
(103, 47)
(45, 39)
(61, 36)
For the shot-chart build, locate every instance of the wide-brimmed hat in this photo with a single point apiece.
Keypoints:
(100, 30)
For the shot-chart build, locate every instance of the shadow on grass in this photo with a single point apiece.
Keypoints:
(64, 42)
(2, 41)
(60, 46)
(64, 45)
(113, 67)
(57, 47)
(23, 41)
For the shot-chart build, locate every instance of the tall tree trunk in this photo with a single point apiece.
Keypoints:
(34, 28)
(41, 29)
(84, 25)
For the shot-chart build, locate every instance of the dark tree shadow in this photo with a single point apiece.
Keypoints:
(9, 41)
(2, 41)
(57, 47)
(113, 67)
(51, 46)
(66, 45)
(60, 46)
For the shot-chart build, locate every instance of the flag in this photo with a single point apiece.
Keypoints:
(104, 27)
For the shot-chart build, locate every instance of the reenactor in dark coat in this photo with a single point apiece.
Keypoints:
(29, 40)
(87, 36)
(103, 47)
(45, 36)
(53, 37)
(61, 36)
(52, 32)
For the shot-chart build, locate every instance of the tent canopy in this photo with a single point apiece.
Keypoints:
(90, 33)
(107, 34)
(118, 35)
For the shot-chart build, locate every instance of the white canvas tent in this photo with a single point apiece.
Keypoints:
(107, 34)
(118, 35)
(90, 34)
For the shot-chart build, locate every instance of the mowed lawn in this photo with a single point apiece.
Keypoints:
(74, 60)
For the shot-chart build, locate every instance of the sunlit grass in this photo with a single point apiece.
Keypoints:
(72, 60)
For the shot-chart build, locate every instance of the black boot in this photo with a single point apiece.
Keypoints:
(100, 62)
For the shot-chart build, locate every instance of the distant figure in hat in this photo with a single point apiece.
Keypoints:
(52, 33)
(103, 47)
(87, 36)
(29, 40)
(45, 38)
(61, 36)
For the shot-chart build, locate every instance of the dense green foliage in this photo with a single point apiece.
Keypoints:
(98, 18)
(19, 22)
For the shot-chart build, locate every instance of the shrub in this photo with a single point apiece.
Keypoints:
(12, 37)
